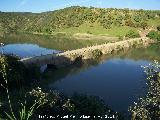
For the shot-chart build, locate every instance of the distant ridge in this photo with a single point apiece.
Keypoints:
(75, 16)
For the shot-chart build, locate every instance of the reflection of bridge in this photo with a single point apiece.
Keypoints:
(69, 57)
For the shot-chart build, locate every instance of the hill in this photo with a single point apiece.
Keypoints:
(109, 21)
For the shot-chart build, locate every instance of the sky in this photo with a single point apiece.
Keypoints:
(38, 6)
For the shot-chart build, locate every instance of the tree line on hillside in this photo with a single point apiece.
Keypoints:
(48, 22)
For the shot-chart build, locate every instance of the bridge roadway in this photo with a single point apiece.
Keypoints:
(69, 57)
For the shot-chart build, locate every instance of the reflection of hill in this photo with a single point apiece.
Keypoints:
(52, 42)
(151, 53)
(58, 74)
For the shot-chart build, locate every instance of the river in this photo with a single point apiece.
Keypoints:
(118, 79)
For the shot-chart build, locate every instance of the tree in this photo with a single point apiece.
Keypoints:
(138, 18)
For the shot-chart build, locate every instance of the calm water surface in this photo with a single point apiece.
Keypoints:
(26, 50)
(118, 79)
(119, 82)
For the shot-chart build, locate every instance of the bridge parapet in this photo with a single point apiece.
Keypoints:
(69, 57)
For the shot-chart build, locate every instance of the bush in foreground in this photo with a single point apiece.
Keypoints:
(17, 73)
(93, 106)
(148, 108)
(38, 102)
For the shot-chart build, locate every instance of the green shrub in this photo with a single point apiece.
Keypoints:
(48, 102)
(147, 107)
(132, 34)
(92, 106)
(129, 23)
(154, 35)
(55, 104)
(96, 53)
(17, 73)
(143, 25)
(89, 105)
(52, 103)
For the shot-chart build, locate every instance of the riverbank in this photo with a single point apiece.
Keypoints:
(81, 36)
(57, 42)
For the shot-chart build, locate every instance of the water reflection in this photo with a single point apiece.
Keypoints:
(118, 79)
(26, 50)
(61, 43)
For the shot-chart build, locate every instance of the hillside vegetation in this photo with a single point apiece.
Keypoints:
(112, 22)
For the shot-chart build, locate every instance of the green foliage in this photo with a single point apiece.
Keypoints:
(74, 17)
(17, 73)
(154, 35)
(143, 25)
(138, 18)
(14, 70)
(41, 102)
(48, 103)
(129, 23)
(92, 106)
(96, 53)
(148, 108)
(45, 98)
(25, 111)
(89, 105)
(132, 34)
(51, 103)
(57, 104)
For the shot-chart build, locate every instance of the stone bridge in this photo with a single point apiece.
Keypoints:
(69, 57)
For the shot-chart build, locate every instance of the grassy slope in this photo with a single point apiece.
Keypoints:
(88, 20)
(154, 23)
(96, 29)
